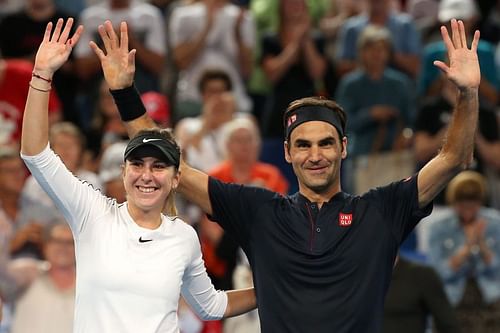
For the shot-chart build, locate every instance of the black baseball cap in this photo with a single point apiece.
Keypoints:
(153, 144)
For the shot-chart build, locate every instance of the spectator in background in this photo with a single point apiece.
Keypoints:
(465, 250)
(146, 35)
(110, 171)
(405, 38)
(432, 121)
(15, 75)
(48, 303)
(201, 136)
(242, 143)
(378, 101)
(293, 61)
(68, 143)
(22, 32)
(430, 83)
(337, 15)
(211, 34)
(415, 294)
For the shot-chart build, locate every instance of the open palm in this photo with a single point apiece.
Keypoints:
(463, 70)
(56, 46)
(118, 63)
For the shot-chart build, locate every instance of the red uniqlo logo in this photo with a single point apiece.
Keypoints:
(345, 220)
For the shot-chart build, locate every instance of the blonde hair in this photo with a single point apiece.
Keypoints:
(467, 185)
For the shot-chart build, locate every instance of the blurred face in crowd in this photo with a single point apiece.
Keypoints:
(69, 148)
(375, 55)
(219, 104)
(467, 210)
(59, 248)
(243, 146)
(379, 7)
(315, 152)
(12, 175)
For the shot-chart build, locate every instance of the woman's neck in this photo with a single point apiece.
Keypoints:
(146, 219)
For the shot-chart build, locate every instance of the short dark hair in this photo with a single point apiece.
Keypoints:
(214, 74)
(317, 101)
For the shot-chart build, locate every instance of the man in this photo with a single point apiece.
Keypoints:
(321, 258)
(406, 39)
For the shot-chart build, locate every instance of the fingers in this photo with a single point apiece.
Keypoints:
(48, 30)
(475, 41)
(111, 34)
(104, 37)
(463, 37)
(446, 38)
(66, 31)
(76, 36)
(97, 51)
(455, 34)
(124, 36)
(131, 58)
(57, 30)
(441, 65)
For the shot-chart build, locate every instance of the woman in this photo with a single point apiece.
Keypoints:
(464, 249)
(133, 262)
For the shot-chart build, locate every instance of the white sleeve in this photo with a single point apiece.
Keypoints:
(75, 199)
(248, 30)
(156, 40)
(198, 290)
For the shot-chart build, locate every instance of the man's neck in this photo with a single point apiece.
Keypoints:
(119, 4)
(319, 198)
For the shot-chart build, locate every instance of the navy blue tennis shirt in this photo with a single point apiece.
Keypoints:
(319, 270)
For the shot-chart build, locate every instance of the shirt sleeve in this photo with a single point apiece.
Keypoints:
(76, 199)
(235, 207)
(399, 206)
(198, 290)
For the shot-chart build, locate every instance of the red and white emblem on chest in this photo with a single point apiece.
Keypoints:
(345, 220)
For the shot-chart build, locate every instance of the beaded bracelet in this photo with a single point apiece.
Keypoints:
(41, 77)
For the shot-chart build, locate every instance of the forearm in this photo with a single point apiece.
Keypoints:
(194, 187)
(276, 66)
(132, 110)
(35, 127)
(186, 52)
(459, 138)
(245, 59)
(240, 301)
(459, 258)
(315, 62)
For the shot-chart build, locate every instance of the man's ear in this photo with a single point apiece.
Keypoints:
(344, 147)
(287, 152)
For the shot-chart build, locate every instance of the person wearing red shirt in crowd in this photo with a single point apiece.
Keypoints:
(15, 76)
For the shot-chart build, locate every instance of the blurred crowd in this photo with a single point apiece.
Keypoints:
(221, 73)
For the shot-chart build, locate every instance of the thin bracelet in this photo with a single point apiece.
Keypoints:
(41, 77)
(38, 89)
